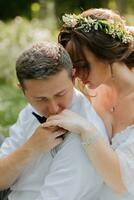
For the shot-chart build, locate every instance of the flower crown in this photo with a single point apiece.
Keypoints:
(86, 24)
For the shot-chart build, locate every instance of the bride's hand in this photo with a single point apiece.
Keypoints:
(68, 120)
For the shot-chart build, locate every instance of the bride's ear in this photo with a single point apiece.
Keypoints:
(73, 74)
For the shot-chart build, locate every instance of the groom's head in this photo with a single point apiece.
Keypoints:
(45, 75)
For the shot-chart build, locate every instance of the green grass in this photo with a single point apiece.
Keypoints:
(11, 102)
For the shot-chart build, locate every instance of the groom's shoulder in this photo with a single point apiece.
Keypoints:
(81, 97)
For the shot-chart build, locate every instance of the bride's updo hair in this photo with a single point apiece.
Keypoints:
(108, 46)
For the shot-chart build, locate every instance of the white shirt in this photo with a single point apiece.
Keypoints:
(66, 172)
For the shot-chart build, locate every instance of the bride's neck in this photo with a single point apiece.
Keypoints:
(122, 79)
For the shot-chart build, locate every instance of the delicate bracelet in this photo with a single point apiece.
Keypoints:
(91, 139)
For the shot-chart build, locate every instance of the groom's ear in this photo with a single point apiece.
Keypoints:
(20, 87)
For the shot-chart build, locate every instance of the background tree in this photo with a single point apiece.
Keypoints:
(125, 6)
(66, 6)
(62, 7)
(10, 9)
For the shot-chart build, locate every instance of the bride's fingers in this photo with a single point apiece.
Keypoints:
(54, 117)
(67, 112)
(64, 113)
(58, 134)
(52, 123)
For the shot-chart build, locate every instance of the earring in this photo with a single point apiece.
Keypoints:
(73, 72)
(111, 70)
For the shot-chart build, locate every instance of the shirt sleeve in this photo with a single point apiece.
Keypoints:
(18, 132)
(71, 175)
(125, 154)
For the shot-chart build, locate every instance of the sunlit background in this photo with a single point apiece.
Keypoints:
(24, 22)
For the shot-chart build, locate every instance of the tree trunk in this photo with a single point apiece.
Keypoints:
(121, 6)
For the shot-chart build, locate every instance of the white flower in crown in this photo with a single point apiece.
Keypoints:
(86, 24)
(71, 20)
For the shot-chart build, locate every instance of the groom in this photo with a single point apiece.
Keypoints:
(45, 164)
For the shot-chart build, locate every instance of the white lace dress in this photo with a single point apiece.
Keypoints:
(123, 144)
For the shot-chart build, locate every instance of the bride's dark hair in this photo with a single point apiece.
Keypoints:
(103, 45)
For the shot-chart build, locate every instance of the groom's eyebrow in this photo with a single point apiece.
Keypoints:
(44, 97)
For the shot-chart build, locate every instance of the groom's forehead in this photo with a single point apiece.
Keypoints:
(52, 86)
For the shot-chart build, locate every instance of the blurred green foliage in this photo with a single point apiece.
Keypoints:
(122, 6)
(10, 9)
(29, 8)
(16, 36)
(11, 102)
(76, 6)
